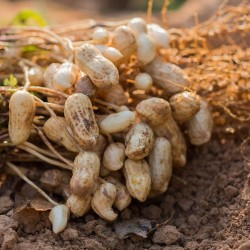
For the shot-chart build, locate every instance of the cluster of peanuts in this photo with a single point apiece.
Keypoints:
(126, 135)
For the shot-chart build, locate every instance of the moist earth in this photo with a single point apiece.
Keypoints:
(206, 207)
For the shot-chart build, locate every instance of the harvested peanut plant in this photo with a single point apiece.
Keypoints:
(105, 104)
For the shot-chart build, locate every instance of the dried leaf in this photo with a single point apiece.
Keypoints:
(136, 226)
(40, 204)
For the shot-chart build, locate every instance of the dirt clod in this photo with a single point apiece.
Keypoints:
(166, 235)
(6, 204)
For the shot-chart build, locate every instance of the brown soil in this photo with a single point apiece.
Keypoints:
(206, 207)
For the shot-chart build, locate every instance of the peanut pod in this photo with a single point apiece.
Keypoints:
(85, 173)
(79, 115)
(138, 180)
(160, 162)
(101, 71)
(21, 113)
(139, 141)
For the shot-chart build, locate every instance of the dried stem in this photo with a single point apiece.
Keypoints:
(31, 183)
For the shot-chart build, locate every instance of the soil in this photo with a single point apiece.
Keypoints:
(207, 206)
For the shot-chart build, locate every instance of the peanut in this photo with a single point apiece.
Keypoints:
(59, 216)
(85, 173)
(139, 141)
(148, 110)
(160, 162)
(124, 40)
(51, 129)
(160, 36)
(110, 53)
(138, 180)
(123, 198)
(103, 199)
(146, 50)
(78, 205)
(65, 76)
(199, 127)
(101, 71)
(100, 35)
(36, 76)
(116, 122)
(114, 156)
(49, 73)
(184, 105)
(101, 145)
(21, 114)
(143, 81)
(79, 115)
(168, 76)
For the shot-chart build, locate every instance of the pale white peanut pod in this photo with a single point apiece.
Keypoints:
(110, 53)
(103, 200)
(65, 76)
(85, 171)
(35, 76)
(124, 40)
(49, 74)
(157, 113)
(80, 116)
(101, 71)
(100, 35)
(21, 113)
(78, 206)
(137, 25)
(123, 197)
(160, 162)
(143, 81)
(114, 156)
(184, 106)
(51, 129)
(116, 122)
(146, 50)
(139, 141)
(59, 216)
(200, 126)
(138, 180)
(168, 76)
(160, 36)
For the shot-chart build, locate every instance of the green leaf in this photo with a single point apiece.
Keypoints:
(10, 82)
(28, 18)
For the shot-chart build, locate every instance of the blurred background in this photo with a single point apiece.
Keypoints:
(180, 12)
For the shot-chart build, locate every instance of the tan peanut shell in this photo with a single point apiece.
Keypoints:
(153, 110)
(78, 205)
(79, 115)
(101, 145)
(148, 111)
(116, 96)
(85, 173)
(58, 131)
(85, 86)
(114, 156)
(138, 180)
(200, 126)
(116, 122)
(124, 40)
(184, 105)
(167, 76)
(123, 197)
(21, 113)
(101, 71)
(160, 162)
(103, 199)
(139, 141)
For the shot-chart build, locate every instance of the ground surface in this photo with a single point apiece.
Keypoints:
(206, 207)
